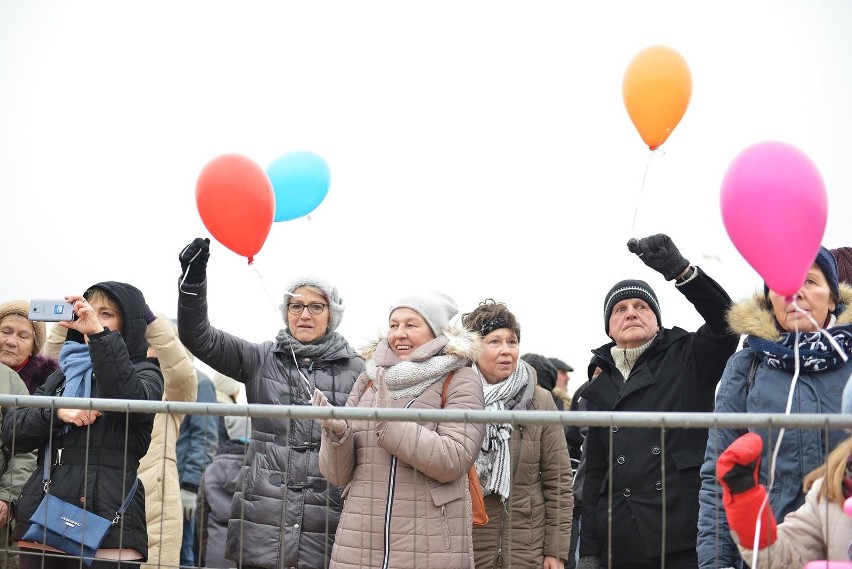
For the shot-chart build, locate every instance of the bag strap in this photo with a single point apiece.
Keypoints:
(446, 388)
(48, 455)
(752, 371)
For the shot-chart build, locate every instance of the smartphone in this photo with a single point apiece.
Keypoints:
(51, 310)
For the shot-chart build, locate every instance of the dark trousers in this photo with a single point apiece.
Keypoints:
(679, 560)
(571, 562)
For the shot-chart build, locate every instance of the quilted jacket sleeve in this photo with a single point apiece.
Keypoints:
(447, 453)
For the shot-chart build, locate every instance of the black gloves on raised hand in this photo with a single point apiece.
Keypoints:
(659, 252)
(194, 256)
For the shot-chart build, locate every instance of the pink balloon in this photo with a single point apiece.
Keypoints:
(775, 208)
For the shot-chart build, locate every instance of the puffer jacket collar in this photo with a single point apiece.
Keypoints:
(453, 342)
(753, 316)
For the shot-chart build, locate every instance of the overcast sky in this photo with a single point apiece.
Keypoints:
(480, 148)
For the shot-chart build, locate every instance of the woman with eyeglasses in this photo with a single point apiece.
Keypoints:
(284, 512)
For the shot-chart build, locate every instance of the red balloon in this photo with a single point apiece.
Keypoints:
(236, 203)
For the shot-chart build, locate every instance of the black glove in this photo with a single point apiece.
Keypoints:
(195, 256)
(659, 252)
(738, 467)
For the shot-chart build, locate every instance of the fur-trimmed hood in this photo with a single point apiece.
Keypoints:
(457, 342)
(753, 316)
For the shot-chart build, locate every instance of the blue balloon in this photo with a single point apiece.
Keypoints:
(300, 181)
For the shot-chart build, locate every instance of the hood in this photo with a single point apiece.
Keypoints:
(132, 304)
(753, 316)
(453, 342)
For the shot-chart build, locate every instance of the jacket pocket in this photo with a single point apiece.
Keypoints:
(685, 459)
(443, 494)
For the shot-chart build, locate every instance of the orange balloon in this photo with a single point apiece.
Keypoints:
(657, 87)
(236, 203)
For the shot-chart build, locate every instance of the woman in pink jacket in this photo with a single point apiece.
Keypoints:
(408, 502)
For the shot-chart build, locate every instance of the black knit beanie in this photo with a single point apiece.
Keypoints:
(630, 289)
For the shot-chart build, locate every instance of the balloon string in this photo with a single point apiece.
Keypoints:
(279, 315)
(186, 272)
(823, 331)
(777, 448)
(280, 311)
(642, 188)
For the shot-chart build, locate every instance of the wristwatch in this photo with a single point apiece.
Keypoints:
(687, 277)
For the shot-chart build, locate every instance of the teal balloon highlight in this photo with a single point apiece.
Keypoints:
(300, 182)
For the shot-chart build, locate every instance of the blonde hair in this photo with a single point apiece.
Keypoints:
(834, 471)
(94, 294)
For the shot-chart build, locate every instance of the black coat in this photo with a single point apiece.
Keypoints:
(678, 372)
(120, 371)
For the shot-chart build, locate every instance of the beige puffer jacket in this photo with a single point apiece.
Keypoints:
(537, 519)
(818, 530)
(422, 467)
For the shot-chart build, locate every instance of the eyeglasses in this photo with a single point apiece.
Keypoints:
(314, 308)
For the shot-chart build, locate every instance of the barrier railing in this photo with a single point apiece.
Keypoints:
(664, 421)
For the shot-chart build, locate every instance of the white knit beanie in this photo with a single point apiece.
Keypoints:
(335, 303)
(435, 307)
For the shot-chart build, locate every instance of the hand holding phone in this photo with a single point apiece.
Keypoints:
(51, 310)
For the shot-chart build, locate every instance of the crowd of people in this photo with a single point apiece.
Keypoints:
(269, 492)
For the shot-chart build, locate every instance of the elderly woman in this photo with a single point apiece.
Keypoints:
(524, 469)
(758, 379)
(95, 455)
(284, 512)
(21, 341)
(408, 503)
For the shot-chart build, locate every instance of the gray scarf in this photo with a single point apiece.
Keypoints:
(320, 349)
(408, 379)
(494, 462)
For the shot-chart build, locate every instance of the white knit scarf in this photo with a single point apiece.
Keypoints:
(407, 379)
(494, 462)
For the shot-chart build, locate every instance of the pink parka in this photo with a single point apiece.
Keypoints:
(407, 500)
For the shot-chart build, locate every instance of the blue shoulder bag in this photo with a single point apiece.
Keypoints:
(66, 527)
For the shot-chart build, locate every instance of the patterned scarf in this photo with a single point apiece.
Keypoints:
(815, 352)
(408, 379)
(494, 463)
(319, 349)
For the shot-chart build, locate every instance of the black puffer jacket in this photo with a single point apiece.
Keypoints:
(120, 371)
(284, 512)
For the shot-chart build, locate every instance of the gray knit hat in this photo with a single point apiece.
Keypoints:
(22, 308)
(435, 307)
(335, 303)
(630, 289)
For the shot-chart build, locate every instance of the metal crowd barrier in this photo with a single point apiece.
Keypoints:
(664, 421)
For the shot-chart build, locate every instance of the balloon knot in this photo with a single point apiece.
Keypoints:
(251, 260)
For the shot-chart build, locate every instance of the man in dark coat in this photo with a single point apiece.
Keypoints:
(650, 368)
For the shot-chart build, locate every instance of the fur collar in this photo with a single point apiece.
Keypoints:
(461, 343)
(753, 316)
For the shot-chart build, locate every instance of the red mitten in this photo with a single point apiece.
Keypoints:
(742, 495)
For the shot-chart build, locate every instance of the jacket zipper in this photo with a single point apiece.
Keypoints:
(499, 560)
(389, 507)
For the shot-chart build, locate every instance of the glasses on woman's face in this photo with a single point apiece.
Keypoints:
(314, 308)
